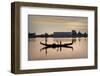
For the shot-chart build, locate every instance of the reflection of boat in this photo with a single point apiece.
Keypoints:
(56, 45)
(59, 48)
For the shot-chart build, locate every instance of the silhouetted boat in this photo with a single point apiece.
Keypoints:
(59, 48)
(56, 45)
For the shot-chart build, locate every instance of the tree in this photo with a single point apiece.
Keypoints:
(79, 34)
(74, 33)
(85, 34)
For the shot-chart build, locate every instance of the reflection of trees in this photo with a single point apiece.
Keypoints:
(74, 40)
(79, 39)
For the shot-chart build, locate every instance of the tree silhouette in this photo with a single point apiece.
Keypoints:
(85, 34)
(79, 34)
(74, 33)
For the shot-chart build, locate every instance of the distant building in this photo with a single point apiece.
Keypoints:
(62, 34)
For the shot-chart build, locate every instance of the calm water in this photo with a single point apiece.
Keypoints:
(36, 51)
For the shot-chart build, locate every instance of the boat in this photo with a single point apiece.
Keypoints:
(56, 45)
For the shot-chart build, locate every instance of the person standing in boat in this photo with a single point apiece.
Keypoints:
(46, 36)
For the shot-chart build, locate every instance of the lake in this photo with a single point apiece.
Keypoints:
(36, 51)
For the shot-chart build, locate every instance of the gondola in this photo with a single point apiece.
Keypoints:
(56, 45)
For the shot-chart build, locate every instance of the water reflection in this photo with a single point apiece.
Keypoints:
(78, 49)
(58, 46)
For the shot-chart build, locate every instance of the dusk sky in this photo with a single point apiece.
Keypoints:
(48, 24)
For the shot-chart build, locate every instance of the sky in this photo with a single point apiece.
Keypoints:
(41, 24)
